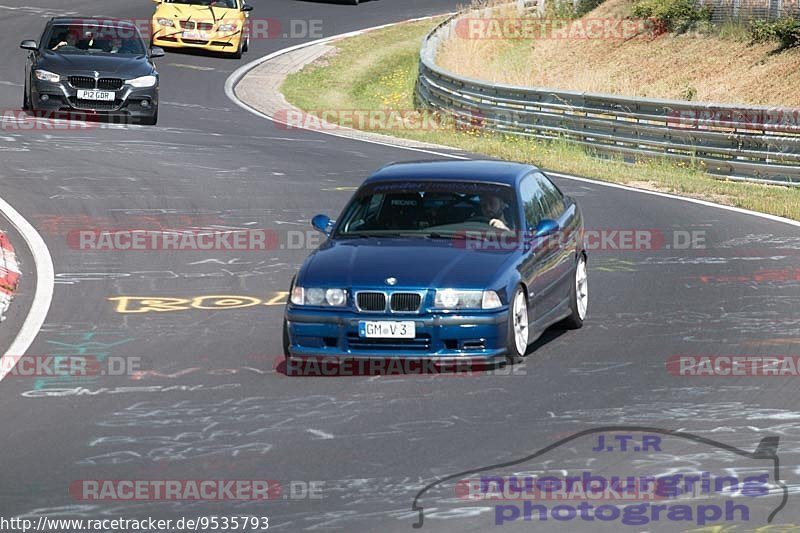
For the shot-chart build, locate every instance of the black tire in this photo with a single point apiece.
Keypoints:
(514, 353)
(286, 353)
(291, 369)
(238, 53)
(246, 46)
(26, 104)
(575, 320)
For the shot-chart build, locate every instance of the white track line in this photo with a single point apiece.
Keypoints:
(241, 72)
(45, 282)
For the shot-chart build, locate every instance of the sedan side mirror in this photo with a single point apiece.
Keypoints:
(545, 227)
(247, 7)
(29, 44)
(323, 224)
(157, 51)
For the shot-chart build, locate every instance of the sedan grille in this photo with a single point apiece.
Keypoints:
(421, 342)
(187, 24)
(110, 84)
(94, 105)
(399, 302)
(81, 82)
(205, 26)
(106, 84)
(371, 301)
(406, 302)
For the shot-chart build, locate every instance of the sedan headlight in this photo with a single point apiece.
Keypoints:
(165, 22)
(227, 26)
(319, 297)
(144, 81)
(456, 299)
(44, 75)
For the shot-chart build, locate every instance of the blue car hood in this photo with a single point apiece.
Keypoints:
(416, 263)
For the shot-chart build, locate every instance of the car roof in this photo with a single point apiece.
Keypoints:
(468, 170)
(83, 20)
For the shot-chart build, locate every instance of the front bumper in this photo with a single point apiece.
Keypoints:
(479, 337)
(62, 97)
(209, 41)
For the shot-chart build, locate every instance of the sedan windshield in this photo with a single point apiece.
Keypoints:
(91, 39)
(444, 209)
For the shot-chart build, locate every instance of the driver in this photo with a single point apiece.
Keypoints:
(492, 208)
(116, 45)
(70, 40)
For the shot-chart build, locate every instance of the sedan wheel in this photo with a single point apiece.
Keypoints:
(579, 301)
(290, 367)
(517, 327)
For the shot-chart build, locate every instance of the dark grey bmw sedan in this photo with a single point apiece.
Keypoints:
(92, 67)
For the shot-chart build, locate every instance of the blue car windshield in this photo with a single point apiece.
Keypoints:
(429, 209)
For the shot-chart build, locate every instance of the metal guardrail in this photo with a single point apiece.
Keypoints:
(740, 142)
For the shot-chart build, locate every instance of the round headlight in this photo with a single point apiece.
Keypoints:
(335, 297)
(314, 296)
(449, 298)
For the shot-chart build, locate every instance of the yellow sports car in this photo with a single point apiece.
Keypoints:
(213, 25)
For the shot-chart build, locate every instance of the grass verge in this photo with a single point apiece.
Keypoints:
(377, 71)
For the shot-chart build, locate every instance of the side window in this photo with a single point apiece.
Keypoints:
(554, 200)
(362, 212)
(532, 197)
(374, 205)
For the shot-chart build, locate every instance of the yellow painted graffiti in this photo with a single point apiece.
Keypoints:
(771, 528)
(147, 304)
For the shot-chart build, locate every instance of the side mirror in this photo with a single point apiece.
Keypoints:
(29, 44)
(545, 227)
(323, 224)
(157, 51)
(247, 7)
(157, 1)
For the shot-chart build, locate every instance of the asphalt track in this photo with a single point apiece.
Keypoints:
(220, 410)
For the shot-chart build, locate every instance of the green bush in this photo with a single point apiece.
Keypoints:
(560, 10)
(761, 31)
(786, 30)
(673, 15)
(585, 6)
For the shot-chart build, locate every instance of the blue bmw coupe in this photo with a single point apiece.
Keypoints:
(456, 261)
